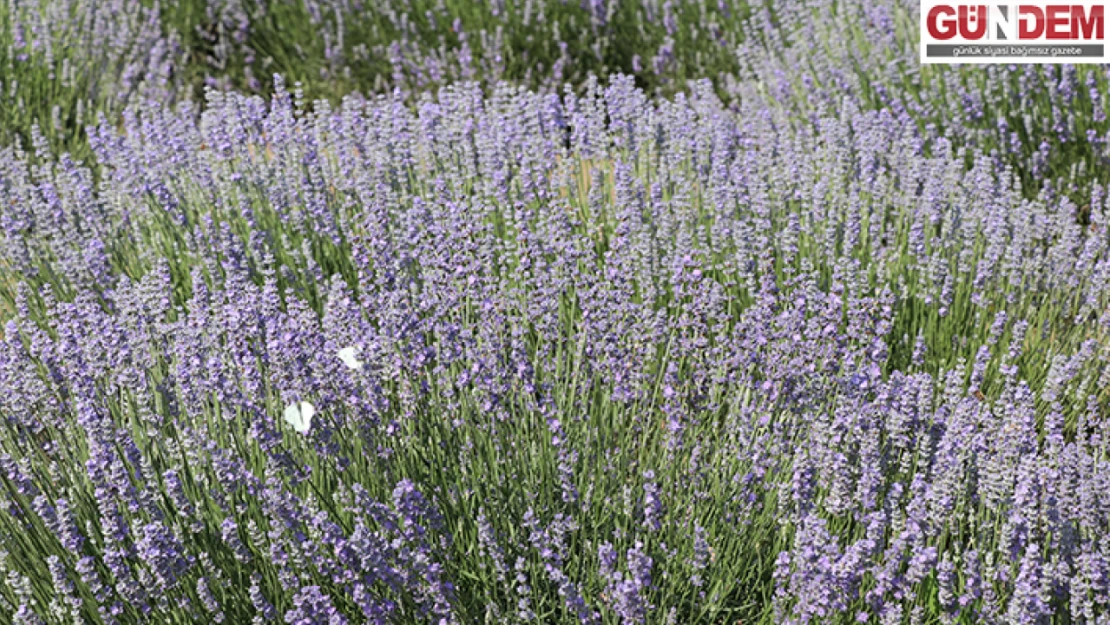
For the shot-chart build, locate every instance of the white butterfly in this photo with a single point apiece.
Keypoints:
(349, 357)
(300, 416)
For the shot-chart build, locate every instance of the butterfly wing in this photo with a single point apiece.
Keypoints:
(293, 416)
(349, 358)
(299, 416)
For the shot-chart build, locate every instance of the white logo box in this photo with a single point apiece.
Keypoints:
(1014, 32)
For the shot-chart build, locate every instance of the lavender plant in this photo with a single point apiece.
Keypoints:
(1047, 123)
(832, 349)
(520, 357)
(63, 62)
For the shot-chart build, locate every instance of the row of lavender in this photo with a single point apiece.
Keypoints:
(530, 358)
(66, 61)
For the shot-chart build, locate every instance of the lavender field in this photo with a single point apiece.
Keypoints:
(615, 312)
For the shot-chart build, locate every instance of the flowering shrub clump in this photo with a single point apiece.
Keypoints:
(1046, 122)
(63, 62)
(591, 358)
